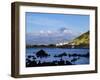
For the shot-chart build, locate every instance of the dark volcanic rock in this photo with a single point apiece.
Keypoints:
(63, 54)
(42, 53)
(68, 63)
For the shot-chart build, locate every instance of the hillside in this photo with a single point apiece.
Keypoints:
(81, 40)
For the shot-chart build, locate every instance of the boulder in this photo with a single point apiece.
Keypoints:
(42, 53)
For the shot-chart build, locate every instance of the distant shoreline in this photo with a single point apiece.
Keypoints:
(61, 47)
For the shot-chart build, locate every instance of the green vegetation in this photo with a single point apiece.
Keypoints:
(81, 40)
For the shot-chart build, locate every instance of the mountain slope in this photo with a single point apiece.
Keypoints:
(81, 40)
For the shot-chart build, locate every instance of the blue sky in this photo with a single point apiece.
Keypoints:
(54, 26)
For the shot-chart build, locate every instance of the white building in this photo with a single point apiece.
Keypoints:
(60, 44)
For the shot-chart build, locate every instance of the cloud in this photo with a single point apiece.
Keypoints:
(45, 32)
(49, 32)
(42, 32)
(58, 32)
(51, 37)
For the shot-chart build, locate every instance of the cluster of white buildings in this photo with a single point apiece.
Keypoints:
(60, 44)
(65, 43)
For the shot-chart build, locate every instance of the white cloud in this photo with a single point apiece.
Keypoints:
(49, 32)
(42, 32)
(50, 37)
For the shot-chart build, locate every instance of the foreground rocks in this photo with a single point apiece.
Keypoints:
(54, 63)
(36, 60)
(42, 53)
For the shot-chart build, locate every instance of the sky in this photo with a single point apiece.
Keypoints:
(49, 28)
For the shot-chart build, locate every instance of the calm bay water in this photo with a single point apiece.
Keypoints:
(53, 51)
